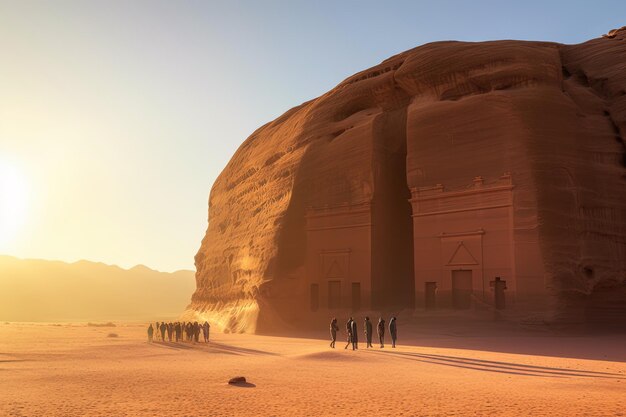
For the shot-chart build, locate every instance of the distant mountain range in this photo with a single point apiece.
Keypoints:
(42, 290)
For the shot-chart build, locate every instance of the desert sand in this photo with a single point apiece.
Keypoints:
(75, 370)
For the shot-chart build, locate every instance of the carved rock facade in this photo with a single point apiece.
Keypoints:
(428, 176)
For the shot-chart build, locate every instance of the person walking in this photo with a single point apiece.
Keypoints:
(177, 331)
(333, 332)
(170, 329)
(205, 331)
(393, 331)
(381, 332)
(156, 329)
(196, 331)
(355, 336)
(162, 331)
(349, 332)
(368, 332)
(150, 333)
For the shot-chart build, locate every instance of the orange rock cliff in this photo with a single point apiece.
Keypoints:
(412, 185)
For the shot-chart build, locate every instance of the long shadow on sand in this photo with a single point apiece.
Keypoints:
(502, 367)
(213, 347)
(603, 348)
(239, 350)
(3, 361)
(172, 345)
(185, 346)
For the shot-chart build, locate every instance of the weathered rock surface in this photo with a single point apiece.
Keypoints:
(550, 116)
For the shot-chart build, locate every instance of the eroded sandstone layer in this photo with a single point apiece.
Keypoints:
(444, 166)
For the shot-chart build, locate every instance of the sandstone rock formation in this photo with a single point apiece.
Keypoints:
(499, 158)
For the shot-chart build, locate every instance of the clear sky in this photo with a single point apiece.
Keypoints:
(117, 116)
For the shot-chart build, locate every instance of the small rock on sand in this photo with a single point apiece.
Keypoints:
(237, 380)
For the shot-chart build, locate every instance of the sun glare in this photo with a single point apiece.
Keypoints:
(13, 202)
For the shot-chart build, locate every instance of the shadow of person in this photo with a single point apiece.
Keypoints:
(501, 366)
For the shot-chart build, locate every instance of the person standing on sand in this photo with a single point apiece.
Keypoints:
(176, 331)
(170, 328)
(355, 336)
(381, 332)
(162, 328)
(196, 331)
(156, 329)
(204, 332)
(206, 327)
(333, 332)
(393, 331)
(368, 332)
(349, 332)
(150, 333)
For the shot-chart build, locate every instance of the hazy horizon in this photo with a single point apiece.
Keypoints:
(95, 262)
(52, 290)
(117, 117)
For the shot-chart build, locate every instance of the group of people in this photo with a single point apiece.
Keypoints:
(179, 331)
(352, 333)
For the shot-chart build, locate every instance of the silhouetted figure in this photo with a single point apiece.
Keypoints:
(349, 332)
(381, 332)
(393, 331)
(355, 336)
(156, 328)
(150, 333)
(162, 328)
(177, 331)
(196, 331)
(368, 332)
(205, 331)
(170, 328)
(188, 331)
(334, 328)
(499, 285)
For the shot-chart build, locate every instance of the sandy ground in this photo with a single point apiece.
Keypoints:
(75, 370)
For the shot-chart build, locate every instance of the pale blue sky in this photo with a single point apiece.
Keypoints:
(117, 116)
